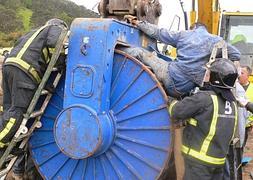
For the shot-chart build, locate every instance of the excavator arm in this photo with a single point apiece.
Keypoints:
(147, 10)
(208, 14)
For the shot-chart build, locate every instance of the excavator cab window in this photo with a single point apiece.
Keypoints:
(237, 30)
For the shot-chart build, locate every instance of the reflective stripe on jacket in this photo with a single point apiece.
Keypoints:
(32, 51)
(25, 67)
(210, 129)
(23, 64)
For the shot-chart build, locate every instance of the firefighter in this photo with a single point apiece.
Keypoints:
(193, 51)
(22, 73)
(211, 117)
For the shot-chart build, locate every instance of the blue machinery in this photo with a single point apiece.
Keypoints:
(108, 117)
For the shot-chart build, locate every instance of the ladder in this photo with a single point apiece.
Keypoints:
(23, 133)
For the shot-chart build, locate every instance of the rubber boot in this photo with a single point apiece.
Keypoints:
(17, 176)
(12, 176)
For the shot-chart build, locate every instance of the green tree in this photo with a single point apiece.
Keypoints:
(10, 22)
(19, 16)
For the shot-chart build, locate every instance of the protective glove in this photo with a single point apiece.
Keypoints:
(131, 19)
(249, 107)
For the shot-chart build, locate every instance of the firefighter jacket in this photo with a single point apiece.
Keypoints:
(249, 95)
(32, 52)
(211, 123)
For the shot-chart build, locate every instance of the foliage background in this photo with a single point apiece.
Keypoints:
(20, 16)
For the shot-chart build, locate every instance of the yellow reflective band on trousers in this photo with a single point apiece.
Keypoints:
(25, 66)
(203, 157)
(202, 154)
(172, 105)
(6, 130)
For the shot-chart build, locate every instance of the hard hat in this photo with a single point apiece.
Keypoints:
(223, 73)
(57, 22)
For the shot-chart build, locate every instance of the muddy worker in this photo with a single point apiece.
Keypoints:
(211, 118)
(194, 47)
(22, 72)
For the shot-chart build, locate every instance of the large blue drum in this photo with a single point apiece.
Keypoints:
(108, 118)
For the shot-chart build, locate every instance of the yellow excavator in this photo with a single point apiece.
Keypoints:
(206, 12)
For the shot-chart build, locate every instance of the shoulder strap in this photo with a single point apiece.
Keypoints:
(29, 41)
(219, 45)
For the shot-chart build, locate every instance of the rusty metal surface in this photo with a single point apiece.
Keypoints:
(124, 6)
(145, 10)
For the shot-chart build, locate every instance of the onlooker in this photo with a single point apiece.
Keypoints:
(248, 86)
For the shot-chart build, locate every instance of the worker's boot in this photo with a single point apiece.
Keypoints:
(12, 176)
(17, 176)
(136, 52)
(159, 66)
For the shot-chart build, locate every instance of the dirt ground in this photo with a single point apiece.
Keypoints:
(248, 151)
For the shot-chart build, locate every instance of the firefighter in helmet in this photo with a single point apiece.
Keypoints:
(211, 117)
(22, 73)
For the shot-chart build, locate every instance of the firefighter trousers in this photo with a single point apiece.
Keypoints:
(18, 91)
(194, 171)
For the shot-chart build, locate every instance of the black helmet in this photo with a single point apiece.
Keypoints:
(57, 22)
(223, 73)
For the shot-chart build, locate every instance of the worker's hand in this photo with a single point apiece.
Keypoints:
(242, 101)
(131, 19)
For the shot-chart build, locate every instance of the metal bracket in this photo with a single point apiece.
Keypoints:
(38, 124)
(220, 45)
(23, 129)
